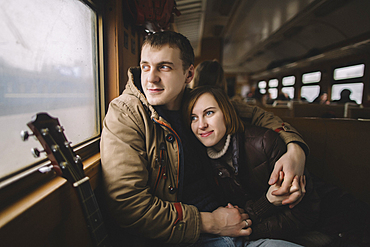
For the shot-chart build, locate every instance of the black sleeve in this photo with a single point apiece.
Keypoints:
(269, 221)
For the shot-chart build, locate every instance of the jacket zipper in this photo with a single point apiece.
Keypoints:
(162, 167)
(162, 170)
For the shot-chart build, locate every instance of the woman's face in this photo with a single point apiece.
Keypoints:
(324, 96)
(208, 123)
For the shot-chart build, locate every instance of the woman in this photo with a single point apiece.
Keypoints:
(243, 157)
(210, 72)
(322, 99)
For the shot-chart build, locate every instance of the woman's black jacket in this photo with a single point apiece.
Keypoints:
(254, 154)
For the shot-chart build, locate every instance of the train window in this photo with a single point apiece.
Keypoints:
(289, 91)
(349, 72)
(355, 88)
(262, 84)
(312, 77)
(47, 64)
(273, 83)
(310, 92)
(288, 81)
(273, 92)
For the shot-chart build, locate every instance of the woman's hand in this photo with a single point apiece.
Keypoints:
(276, 199)
(292, 163)
(298, 185)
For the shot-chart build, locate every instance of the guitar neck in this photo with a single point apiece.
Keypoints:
(67, 164)
(93, 215)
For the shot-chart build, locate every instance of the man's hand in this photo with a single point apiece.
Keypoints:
(226, 221)
(292, 164)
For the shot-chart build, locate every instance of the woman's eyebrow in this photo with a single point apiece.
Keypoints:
(209, 108)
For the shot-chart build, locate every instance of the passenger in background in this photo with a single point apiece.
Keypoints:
(366, 103)
(304, 100)
(210, 72)
(345, 97)
(267, 100)
(322, 99)
(282, 96)
(258, 96)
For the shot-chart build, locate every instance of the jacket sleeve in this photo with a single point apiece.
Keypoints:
(259, 117)
(269, 221)
(126, 174)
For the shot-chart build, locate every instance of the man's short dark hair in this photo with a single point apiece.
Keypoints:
(174, 40)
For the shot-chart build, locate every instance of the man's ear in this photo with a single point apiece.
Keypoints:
(190, 74)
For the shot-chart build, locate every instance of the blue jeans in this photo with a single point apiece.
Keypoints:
(207, 240)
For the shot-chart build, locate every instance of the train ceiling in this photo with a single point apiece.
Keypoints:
(266, 35)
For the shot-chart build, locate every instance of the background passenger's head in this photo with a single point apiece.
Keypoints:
(345, 93)
(211, 115)
(209, 72)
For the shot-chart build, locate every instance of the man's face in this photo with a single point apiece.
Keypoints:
(162, 76)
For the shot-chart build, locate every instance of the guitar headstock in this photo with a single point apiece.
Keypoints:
(50, 134)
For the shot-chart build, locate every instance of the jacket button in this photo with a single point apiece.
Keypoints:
(172, 190)
(170, 138)
(220, 174)
(180, 226)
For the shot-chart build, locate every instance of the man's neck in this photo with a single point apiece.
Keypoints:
(176, 105)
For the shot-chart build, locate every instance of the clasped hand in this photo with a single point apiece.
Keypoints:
(227, 221)
(297, 187)
(292, 163)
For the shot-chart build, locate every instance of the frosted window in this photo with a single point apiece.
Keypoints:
(273, 92)
(311, 77)
(262, 84)
(349, 72)
(289, 91)
(310, 92)
(47, 64)
(288, 81)
(273, 83)
(355, 88)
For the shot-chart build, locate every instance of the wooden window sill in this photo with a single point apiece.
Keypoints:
(52, 204)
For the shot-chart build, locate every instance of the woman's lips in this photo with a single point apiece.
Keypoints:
(205, 134)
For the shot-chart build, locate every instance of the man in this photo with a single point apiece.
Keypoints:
(155, 173)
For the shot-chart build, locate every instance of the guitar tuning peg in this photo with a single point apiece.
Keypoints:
(25, 135)
(59, 128)
(77, 159)
(46, 169)
(36, 153)
(67, 144)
